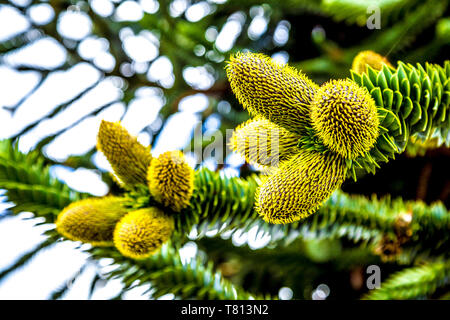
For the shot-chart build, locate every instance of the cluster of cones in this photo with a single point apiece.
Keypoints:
(136, 231)
(285, 105)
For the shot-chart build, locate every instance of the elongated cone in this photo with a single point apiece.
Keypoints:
(345, 117)
(369, 58)
(128, 158)
(171, 180)
(299, 186)
(141, 233)
(91, 220)
(260, 141)
(279, 93)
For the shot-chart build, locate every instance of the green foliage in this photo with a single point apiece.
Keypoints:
(219, 203)
(355, 11)
(29, 184)
(226, 204)
(165, 270)
(412, 102)
(391, 40)
(443, 29)
(300, 266)
(413, 283)
(167, 273)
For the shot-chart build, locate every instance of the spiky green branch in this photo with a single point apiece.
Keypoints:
(167, 273)
(226, 204)
(412, 101)
(29, 185)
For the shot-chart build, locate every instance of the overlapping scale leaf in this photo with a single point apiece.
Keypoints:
(412, 101)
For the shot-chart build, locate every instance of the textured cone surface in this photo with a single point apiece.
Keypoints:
(345, 117)
(128, 158)
(91, 220)
(171, 180)
(369, 58)
(279, 93)
(299, 187)
(141, 233)
(262, 142)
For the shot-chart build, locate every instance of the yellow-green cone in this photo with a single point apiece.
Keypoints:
(260, 141)
(345, 117)
(299, 187)
(91, 220)
(171, 180)
(128, 158)
(141, 233)
(369, 58)
(279, 93)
